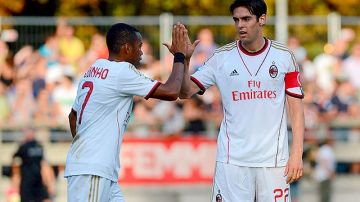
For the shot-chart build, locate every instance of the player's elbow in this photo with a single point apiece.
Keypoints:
(172, 96)
(184, 96)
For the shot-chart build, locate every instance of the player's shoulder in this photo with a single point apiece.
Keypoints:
(279, 46)
(223, 50)
(227, 47)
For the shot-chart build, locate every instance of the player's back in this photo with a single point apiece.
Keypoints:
(103, 110)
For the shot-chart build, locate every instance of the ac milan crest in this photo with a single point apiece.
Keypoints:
(273, 71)
(218, 197)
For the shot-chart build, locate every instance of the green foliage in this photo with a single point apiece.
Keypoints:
(313, 37)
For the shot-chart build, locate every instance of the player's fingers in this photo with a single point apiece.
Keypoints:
(286, 170)
(173, 34)
(290, 176)
(299, 174)
(167, 46)
(196, 42)
(177, 33)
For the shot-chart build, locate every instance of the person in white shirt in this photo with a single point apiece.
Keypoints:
(257, 78)
(324, 172)
(102, 108)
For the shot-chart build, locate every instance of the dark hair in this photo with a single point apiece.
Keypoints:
(120, 34)
(255, 7)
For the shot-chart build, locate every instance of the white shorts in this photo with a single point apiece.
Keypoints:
(246, 184)
(82, 188)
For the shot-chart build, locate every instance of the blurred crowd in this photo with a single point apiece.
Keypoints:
(38, 86)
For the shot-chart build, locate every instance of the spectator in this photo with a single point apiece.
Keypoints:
(299, 51)
(71, 48)
(325, 65)
(325, 169)
(204, 50)
(4, 105)
(194, 115)
(143, 123)
(23, 102)
(344, 100)
(7, 72)
(45, 111)
(97, 50)
(31, 155)
(170, 117)
(50, 51)
(64, 95)
(351, 66)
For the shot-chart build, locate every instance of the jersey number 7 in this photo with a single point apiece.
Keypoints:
(90, 85)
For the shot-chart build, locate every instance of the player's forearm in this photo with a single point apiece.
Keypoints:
(185, 87)
(173, 85)
(72, 122)
(297, 122)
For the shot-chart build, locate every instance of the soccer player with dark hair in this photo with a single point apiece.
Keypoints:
(102, 109)
(257, 78)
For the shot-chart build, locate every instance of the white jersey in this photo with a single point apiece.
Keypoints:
(253, 132)
(103, 105)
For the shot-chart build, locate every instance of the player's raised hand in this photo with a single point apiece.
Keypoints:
(178, 43)
(190, 46)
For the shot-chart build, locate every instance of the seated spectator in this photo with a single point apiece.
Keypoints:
(64, 95)
(351, 66)
(194, 115)
(97, 49)
(50, 51)
(4, 105)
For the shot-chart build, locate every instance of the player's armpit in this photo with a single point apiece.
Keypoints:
(193, 86)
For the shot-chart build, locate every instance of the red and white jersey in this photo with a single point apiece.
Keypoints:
(253, 132)
(103, 105)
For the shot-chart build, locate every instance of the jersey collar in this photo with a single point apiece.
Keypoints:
(253, 53)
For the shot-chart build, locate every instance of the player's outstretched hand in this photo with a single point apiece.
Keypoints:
(294, 168)
(190, 47)
(178, 43)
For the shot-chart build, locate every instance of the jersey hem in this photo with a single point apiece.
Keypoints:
(76, 173)
(199, 84)
(152, 90)
(294, 95)
(255, 165)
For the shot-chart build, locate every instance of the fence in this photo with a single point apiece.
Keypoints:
(33, 30)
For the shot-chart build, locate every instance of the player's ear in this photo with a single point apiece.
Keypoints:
(127, 48)
(262, 20)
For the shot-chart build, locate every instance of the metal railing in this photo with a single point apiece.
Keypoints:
(35, 29)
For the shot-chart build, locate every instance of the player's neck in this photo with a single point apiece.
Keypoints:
(115, 58)
(255, 46)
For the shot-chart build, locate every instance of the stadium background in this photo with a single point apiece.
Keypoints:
(169, 156)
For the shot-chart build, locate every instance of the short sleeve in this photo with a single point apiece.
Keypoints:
(292, 64)
(133, 82)
(204, 77)
(76, 104)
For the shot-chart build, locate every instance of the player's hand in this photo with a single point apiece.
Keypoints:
(178, 43)
(294, 168)
(190, 47)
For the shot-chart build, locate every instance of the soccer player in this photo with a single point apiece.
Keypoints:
(257, 78)
(103, 106)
